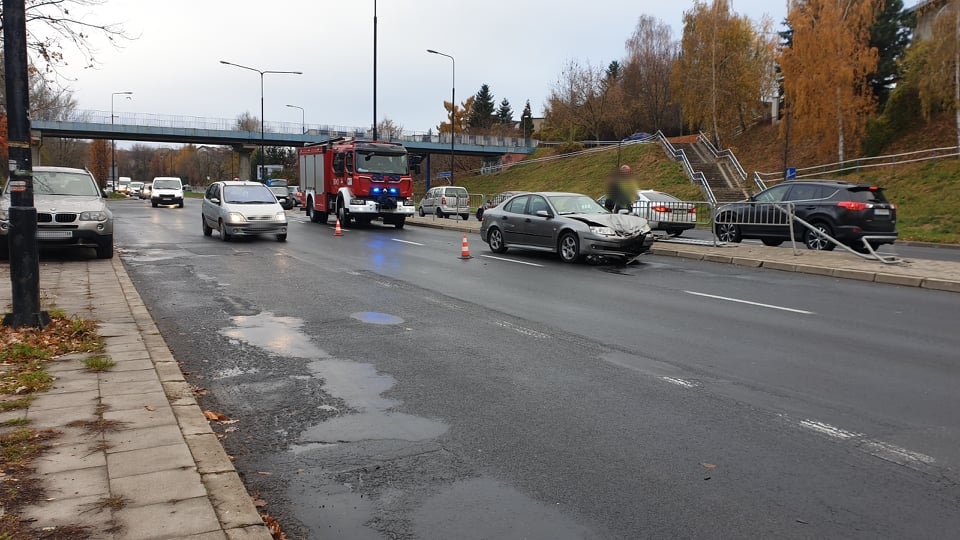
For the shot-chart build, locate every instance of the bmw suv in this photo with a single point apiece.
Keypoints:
(71, 211)
(844, 210)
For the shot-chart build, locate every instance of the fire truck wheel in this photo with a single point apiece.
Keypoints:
(398, 222)
(342, 214)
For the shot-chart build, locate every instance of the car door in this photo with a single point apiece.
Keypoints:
(428, 198)
(766, 215)
(513, 213)
(538, 229)
(211, 210)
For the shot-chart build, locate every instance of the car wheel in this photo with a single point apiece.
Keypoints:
(479, 214)
(420, 212)
(223, 232)
(154, 204)
(465, 216)
(105, 248)
(772, 242)
(399, 222)
(440, 213)
(816, 241)
(282, 237)
(569, 247)
(675, 232)
(728, 232)
(207, 230)
(181, 203)
(495, 240)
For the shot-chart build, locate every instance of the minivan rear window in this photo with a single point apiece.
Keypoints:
(456, 192)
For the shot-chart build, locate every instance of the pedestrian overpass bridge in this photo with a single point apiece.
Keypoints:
(228, 132)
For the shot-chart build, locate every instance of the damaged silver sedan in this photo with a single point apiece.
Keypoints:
(570, 224)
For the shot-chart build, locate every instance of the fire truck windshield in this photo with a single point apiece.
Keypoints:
(371, 162)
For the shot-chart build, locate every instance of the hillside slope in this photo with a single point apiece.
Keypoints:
(587, 173)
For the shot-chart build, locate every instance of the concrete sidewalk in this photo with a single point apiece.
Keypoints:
(146, 464)
(928, 274)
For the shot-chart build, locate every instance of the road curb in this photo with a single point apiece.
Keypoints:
(231, 502)
(459, 227)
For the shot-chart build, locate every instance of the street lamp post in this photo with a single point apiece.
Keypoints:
(262, 72)
(303, 124)
(453, 106)
(113, 142)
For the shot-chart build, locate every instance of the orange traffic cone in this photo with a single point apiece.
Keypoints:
(465, 249)
(337, 231)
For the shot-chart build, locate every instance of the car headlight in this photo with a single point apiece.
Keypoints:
(235, 217)
(93, 216)
(281, 216)
(604, 231)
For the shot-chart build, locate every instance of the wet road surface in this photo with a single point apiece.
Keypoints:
(383, 388)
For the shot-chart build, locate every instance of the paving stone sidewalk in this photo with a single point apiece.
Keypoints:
(161, 459)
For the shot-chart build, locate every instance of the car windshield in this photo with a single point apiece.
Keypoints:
(371, 162)
(166, 184)
(64, 183)
(248, 195)
(576, 204)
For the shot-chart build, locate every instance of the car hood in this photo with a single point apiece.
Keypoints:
(622, 224)
(61, 203)
(247, 210)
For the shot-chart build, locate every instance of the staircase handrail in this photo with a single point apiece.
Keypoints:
(681, 156)
(726, 153)
(867, 163)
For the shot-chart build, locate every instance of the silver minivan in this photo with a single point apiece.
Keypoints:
(445, 201)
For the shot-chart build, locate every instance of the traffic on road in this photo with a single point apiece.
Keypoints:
(563, 401)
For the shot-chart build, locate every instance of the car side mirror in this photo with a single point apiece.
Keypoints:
(543, 213)
(623, 211)
(215, 200)
(103, 193)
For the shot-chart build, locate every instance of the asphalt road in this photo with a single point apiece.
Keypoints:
(385, 388)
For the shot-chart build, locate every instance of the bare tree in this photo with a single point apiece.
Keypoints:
(577, 106)
(388, 130)
(651, 55)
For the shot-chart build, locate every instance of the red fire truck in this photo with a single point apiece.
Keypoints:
(357, 181)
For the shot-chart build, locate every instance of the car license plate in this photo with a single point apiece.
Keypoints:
(881, 212)
(49, 235)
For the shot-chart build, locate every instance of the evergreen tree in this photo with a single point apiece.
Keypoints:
(526, 120)
(614, 71)
(483, 113)
(890, 35)
(505, 113)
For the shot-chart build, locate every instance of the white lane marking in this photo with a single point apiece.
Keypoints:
(895, 454)
(407, 242)
(874, 447)
(828, 430)
(521, 330)
(680, 382)
(513, 261)
(748, 302)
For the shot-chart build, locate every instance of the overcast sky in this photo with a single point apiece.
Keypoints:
(517, 47)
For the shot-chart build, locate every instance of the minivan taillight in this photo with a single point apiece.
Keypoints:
(853, 205)
(443, 201)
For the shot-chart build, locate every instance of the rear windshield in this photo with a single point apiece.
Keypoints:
(866, 194)
(456, 192)
(281, 191)
(660, 197)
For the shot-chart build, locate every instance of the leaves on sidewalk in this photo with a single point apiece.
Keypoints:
(215, 416)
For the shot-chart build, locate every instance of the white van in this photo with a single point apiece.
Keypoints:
(167, 190)
(123, 184)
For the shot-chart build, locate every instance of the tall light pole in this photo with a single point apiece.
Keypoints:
(303, 123)
(374, 69)
(262, 72)
(453, 106)
(113, 142)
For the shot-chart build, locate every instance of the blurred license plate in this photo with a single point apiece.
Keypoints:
(54, 234)
(881, 212)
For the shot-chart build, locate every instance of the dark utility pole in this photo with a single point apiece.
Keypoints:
(22, 236)
(453, 106)
(374, 69)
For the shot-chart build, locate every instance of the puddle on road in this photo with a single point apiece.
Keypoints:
(277, 335)
(372, 317)
(360, 386)
(154, 255)
(234, 372)
(484, 508)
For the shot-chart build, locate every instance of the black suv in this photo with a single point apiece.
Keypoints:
(843, 210)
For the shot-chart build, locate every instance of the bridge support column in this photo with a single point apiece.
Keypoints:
(35, 143)
(244, 152)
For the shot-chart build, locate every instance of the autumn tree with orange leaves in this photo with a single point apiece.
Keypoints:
(826, 72)
(99, 161)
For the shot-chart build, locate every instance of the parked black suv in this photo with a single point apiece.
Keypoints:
(843, 210)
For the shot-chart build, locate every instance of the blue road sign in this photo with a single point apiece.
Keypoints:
(443, 174)
(791, 173)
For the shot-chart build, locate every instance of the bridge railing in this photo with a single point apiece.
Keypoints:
(287, 128)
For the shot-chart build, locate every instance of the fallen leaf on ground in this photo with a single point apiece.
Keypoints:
(234, 421)
(709, 466)
(264, 473)
(214, 416)
(230, 429)
(150, 408)
(259, 503)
